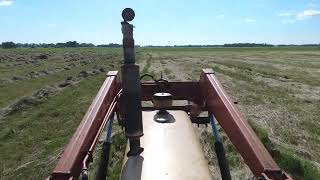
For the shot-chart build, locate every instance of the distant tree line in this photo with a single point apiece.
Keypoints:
(110, 45)
(69, 44)
(248, 45)
(232, 45)
(7, 45)
(301, 45)
(74, 44)
(237, 45)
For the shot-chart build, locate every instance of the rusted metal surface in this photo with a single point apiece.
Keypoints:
(88, 157)
(106, 119)
(131, 101)
(130, 75)
(240, 133)
(207, 93)
(183, 108)
(179, 90)
(162, 100)
(70, 162)
(171, 151)
(128, 14)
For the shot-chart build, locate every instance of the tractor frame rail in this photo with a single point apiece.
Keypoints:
(237, 129)
(207, 94)
(70, 163)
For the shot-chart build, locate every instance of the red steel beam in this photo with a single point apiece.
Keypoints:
(70, 162)
(88, 158)
(179, 90)
(240, 133)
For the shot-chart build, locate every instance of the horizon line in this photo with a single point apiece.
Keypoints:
(95, 44)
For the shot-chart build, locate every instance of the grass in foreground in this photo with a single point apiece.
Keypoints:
(37, 135)
(291, 163)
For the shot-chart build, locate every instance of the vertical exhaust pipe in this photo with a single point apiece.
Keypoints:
(131, 87)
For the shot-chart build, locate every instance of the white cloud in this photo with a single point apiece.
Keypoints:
(307, 13)
(6, 2)
(250, 20)
(52, 25)
(220, 16)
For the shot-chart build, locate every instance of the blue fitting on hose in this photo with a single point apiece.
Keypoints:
(214, 128)
(109, 128)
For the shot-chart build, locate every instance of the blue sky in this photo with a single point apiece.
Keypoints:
(162, 22)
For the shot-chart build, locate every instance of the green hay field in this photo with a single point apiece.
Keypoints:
(44, 94)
